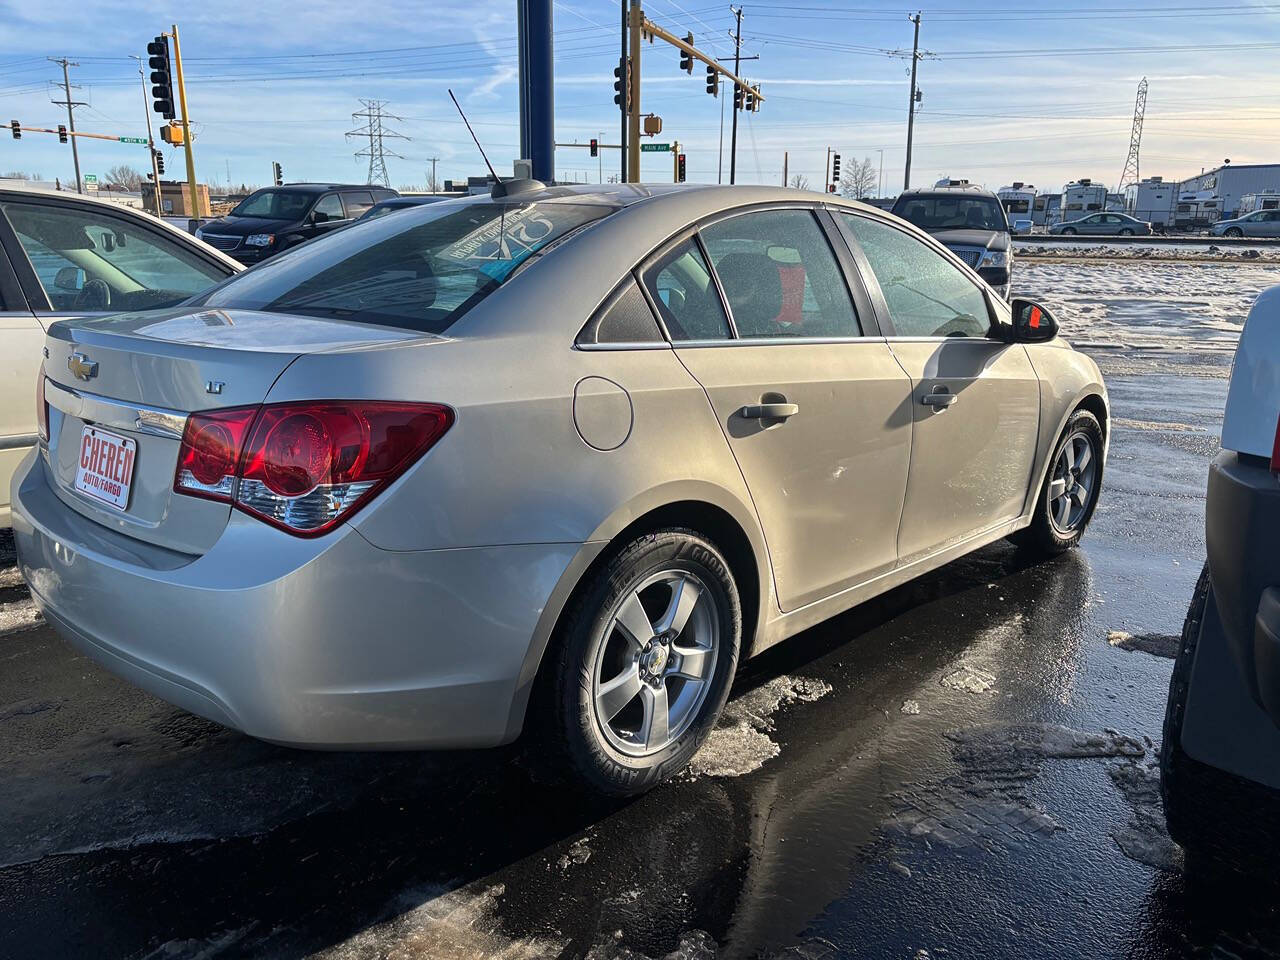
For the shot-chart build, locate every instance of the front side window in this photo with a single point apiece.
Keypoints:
(329, 207)
(420, 270)
(274, 205)
(780, 277)
(91, 261)
(680, 284)
(927, 295)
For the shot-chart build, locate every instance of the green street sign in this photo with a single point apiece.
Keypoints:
(90, 178)
(141, 140)
(655, 148)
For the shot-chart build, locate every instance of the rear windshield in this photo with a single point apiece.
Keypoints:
(421, 269)
(952, 212)
(274, 204)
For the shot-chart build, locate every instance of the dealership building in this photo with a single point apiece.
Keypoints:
(1231, 182)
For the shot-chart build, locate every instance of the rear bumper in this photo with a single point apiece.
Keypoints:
(1242, 531)
(324, 643)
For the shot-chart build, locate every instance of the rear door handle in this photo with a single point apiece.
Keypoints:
(769, 411)
(942, 400)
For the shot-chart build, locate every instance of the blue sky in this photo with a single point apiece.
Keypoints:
(1041, 93)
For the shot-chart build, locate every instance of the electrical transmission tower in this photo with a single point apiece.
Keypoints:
(1130, 174)
(373, 116)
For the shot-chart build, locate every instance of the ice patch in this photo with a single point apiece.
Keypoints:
(576, 855)
(458, 924)
(1156, 644)
(693, 945)
(1011, 743)
(741, 743)
(1145, 838)
(969, 679)
(911, 707)
(1156, 425)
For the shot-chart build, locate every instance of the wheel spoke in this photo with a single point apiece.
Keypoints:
(1056, 489)
(1086, 454)
(1079, 494)
(634, 622)
(1063, 510)
(653, 730)
(618, 692)
(693, 662)
(684, 597)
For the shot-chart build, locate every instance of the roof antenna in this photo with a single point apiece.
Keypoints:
(493, 173)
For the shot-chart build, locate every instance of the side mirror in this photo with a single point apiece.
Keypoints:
(1032, 321)
(69, 278)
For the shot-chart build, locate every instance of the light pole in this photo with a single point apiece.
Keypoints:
(151, 143)
(880, 184)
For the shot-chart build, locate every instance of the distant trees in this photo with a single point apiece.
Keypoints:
(799, 182)
(858, 179)
(21, 175)
(123, 177)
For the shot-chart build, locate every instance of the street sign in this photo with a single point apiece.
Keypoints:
(655, 148)
(90, 178)
(141, 140)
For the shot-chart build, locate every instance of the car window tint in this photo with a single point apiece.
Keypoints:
(94, 261)
(274, 204)
(780, 276)
(681, 285)
(626, 318)
(331, 206)
(420, 270)
(357, 202)
(926, 294)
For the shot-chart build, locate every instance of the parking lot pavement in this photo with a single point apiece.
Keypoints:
(964, 767)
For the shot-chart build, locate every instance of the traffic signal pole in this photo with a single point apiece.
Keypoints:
(632, 97)
(186, 127)
(151, 141)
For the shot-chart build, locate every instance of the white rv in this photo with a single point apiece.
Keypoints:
(1258, 201)
(1047, 209)
(1081, 198)
(1017, 199)
(1151, 200)
(1196, 210)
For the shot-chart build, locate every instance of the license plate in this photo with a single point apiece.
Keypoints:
(105, 468)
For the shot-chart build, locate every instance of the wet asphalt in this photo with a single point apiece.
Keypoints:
(961, 768)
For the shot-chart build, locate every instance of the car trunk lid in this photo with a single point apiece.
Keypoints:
(137, 376)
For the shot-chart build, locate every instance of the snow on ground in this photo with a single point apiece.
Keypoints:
(1210, 251)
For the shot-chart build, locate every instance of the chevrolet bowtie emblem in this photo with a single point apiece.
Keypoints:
(82, 366)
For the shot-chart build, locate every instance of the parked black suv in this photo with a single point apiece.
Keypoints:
(276, 218)
(968, 221)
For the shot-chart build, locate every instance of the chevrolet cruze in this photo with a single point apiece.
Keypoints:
(553, 459)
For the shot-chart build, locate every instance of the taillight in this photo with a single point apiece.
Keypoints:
(305, 467)
(210, 452)
(42, 407)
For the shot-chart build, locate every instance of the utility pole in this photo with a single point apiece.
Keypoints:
(737, 67)
(880, 183)
(434, 185)
(71, 117)
(186, 128)
(784, 168)
(151, 141)
(911, 106)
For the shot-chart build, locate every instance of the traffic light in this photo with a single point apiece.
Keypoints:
(835, 168)
(622, 85)
(737, 97)
(278, 172)
(755, 100)
(159, 161)
(16, 127)
(680, 168)
(171, 133)
(686, 58)
(713, 81)
(595, 147)
(161, 80)
(749, 101)
(62, 133)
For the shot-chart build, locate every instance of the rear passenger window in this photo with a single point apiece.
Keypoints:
(680, 284)
(357, 202)
(927, 295)
(780, 276)
(626, 318)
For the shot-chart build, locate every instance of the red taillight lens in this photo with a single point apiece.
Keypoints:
(305, 467)
(42, 407)
(210, 451)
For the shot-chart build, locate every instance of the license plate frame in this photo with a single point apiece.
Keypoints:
(104, 467)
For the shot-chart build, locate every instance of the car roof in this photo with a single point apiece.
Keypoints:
(969, 190)
(324, 187)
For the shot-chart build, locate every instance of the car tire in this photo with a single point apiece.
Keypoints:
(1228, 827)
(1068, 231)
(1126, 232)
(1235, 232)
(595, 655)
(1052, 531)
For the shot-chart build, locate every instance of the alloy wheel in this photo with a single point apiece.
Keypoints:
(1075, 474)
(654, 668)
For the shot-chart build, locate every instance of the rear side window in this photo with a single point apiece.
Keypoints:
(421, 269)
(625, 318)
(927, 295)
(357, 202)
(780, 276)
(680, 284)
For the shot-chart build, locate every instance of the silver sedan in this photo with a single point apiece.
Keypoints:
(1104, 225)
(555, 459)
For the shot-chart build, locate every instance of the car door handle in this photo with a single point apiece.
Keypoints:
(768, 411)
(942, 400)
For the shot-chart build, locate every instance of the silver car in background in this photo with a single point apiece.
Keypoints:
(554, 459)
(1104, 225)
(1260, 223)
